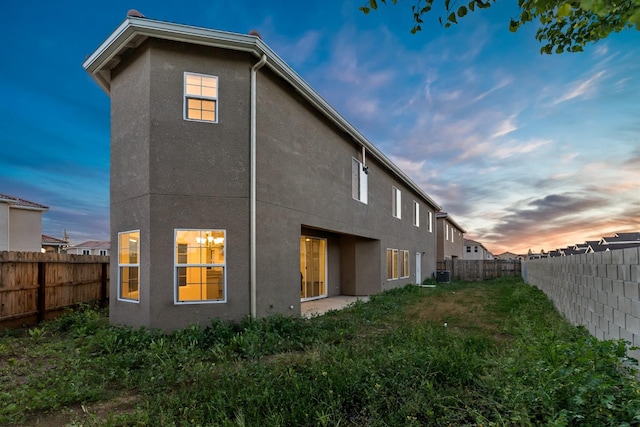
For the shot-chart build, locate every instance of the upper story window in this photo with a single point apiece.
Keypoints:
(200, 97)
(128, 265)
(358, 181)
(446, 232)
(468, 248)
(430, 222)
(416, 214)
(86, 252)
(396, 202)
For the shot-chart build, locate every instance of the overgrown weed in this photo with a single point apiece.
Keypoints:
(372, 364)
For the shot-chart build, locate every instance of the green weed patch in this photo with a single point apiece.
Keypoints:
(493, 353)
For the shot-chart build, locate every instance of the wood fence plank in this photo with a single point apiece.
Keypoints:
(34, 284)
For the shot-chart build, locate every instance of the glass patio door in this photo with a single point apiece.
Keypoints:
(313, 268)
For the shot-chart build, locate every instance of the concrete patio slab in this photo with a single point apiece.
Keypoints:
(320, 306)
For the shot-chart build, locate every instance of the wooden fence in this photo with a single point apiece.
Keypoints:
(35, 286)
(470, 270)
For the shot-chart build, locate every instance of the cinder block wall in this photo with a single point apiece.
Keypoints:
(600, 291)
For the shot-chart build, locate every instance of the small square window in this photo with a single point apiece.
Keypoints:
(200, 97)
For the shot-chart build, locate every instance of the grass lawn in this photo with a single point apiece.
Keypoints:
(494, 353)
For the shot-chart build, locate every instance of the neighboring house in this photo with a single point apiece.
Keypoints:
(53, 244)
(618, 241)
(237, 190)
(450, 237)
(621, 239)
(504, 255)
(91, 247)
(475, 250)
(20, 224)
(541, 254)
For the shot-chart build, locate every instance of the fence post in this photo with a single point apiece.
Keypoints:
(42, 283)
(103, 285)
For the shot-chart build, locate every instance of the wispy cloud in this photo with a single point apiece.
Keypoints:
(580, 88)
(517, 147)
(505, 127)
(501, 84)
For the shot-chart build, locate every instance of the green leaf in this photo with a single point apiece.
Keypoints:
(472, 5)
(452, 18)
(462, 11)
(513, 26)
(564, 10)
(446, 4)
(373, 4)
(364, 9)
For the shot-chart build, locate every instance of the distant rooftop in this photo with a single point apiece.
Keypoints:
(22, 203)
(93, 244)
(53, 240)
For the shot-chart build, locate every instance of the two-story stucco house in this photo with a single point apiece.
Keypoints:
(20, 224)
(237, 190)
(475, 250)
(450, 237)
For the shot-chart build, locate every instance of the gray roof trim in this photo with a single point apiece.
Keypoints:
(18, 203)
(132, 31)
(445, 215)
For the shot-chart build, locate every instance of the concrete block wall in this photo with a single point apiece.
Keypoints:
(600, 291)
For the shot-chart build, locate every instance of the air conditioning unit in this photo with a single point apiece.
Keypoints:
(443, 276)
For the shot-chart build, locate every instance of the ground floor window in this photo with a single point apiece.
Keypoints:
(397, 264)
(392, 264)
(129, 265)
(313, 268)
(403, 261)
(200, 265)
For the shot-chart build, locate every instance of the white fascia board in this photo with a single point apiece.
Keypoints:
(132, 28)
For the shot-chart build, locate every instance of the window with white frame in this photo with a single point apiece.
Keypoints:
(392, 264)
(103, 252)
(469, 249)
(358, 181)
(446, 232)
(430, 222)
(86, 252)
(452, 233)
(403, 262)
(200, 97)
(416, 214)
(129, 265)
(396, 203)
(200, 266)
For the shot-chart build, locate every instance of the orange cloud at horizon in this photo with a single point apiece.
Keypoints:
(554, 238)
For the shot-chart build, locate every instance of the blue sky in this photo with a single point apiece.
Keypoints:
(523, 150)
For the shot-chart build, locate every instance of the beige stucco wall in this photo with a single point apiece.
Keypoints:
(4, 227)
(25, 230)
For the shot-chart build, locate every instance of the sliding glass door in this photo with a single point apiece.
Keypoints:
(313, 268)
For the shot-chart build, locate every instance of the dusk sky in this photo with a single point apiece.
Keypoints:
(523, 150)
